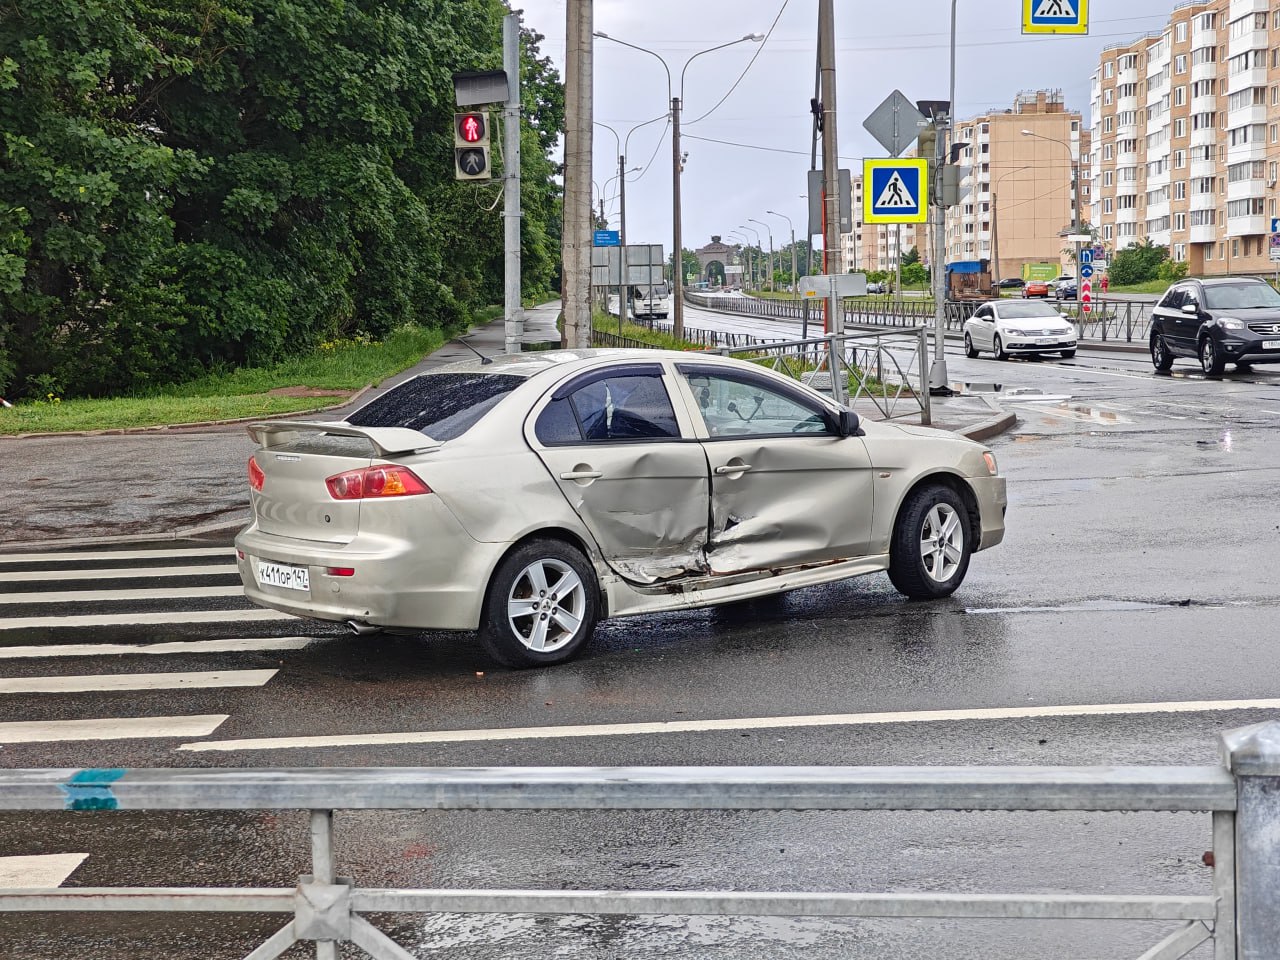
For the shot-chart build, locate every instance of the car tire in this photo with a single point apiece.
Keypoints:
(998, 348)
(519, 629)
(1211, 361)
(1161, 358)
(968, 347)
(1068, 354)
(931, 545)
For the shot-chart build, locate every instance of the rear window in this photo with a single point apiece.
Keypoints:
(444, 406)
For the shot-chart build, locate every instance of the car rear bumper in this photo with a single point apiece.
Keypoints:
(427, 574)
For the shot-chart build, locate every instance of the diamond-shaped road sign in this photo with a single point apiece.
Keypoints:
(895, 123)
(1055, 16)
(895, 191)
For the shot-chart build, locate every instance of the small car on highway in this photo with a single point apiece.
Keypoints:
(529, 496)
(1005, 327)
(1217, 321)
(1035, 288)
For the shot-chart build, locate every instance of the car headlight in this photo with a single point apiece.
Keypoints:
(1229, 323)
(1015, 331)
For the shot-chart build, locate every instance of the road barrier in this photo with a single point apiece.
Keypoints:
(1238, 912)
(1121, 321)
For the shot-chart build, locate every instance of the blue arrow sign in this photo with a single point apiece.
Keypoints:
(1086, 270)
(1086, 255)
(1275, 224)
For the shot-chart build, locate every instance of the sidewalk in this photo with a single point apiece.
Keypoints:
(178, 483)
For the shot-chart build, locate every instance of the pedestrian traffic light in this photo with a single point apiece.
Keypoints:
(471, 146)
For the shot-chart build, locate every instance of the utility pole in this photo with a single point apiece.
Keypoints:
(575, 284)
(624, 288)
(514, 308)
(831, 253)
(938, 369)
(677, 257)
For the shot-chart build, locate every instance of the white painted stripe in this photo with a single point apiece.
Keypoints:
(147, 593)
(137, 681)
(170, 646)
(115, 573)
(110, 728)
(745, 723)
(116, 619)
(43, 870)
(14, 559)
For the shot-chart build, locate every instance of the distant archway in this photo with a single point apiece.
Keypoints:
(714, 273)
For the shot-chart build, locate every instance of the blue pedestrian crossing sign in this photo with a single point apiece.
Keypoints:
(1055, 16)
(895, 191)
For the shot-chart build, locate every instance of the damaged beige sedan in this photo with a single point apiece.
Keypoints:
(529, 496)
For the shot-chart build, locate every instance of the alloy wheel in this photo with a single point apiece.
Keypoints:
(941, 542)
(546, 605)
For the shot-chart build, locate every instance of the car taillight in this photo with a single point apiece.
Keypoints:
(256, 477)
(374, 482)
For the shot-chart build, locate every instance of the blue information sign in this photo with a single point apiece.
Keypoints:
(1086, 255)
(605, 238)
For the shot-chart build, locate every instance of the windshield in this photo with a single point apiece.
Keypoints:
(1240, 296)
(442, 405)
(657, 290)
(1019, 311)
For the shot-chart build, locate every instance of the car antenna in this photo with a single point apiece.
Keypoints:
(483, 358)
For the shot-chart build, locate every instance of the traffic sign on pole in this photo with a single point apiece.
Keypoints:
(1086, 270)
(895, 191)
(1086, 295)
(1055, 16)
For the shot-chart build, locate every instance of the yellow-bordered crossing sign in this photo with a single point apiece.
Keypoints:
(895, 191)
(1055, 16)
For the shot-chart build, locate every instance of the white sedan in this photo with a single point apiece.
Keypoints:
(1005, 327)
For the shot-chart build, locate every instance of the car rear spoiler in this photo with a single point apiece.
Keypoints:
(386, 440)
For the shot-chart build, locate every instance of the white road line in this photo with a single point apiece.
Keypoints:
(166, 647)
(148, 593)
(137, 681)
(115, 573)
(14, 559)
(116, 619)
(111, 728)
(706, 726)
(42, 870)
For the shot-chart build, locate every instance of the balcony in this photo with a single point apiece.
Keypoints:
(1204, 137)
(1257, 150)
(1247, 226)
(1253, 77)
(1244, 189)
(1127, 216)
(1239, 8)
(1127, 188)
(1243, 116)
(1127, 159)
(1128, 103)
(1203, 168)
(1205, 103)
(1157, 210)
(1203, 38)
(1203, 233)
(1253, 40)
(1204, 71)
(1159, 237)
(1127, 76)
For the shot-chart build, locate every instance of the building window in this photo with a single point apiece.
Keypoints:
(1109, 69)
(1106, 97)
(1179, 159)
(1179, 96)
(1180, 61)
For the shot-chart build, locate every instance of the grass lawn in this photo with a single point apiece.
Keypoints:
(323, 379)
(1156, 287)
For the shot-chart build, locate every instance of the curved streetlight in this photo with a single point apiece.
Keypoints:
(769, 230)
(1073, 160)
(677, 165)
(794, 279)
(745, 242)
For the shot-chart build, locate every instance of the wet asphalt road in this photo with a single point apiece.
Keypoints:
(1137, 569)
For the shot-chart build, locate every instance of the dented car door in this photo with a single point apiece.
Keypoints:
(612, 442)
(786, 488)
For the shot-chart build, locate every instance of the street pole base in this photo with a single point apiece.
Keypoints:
(938, 379)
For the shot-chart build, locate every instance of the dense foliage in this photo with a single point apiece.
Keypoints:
(192, 185)
(1137, 264)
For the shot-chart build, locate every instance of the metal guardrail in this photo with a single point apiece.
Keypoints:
(888, 369)
(327, 909)
(1109, 320)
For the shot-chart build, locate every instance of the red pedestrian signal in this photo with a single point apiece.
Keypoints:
(471, 129)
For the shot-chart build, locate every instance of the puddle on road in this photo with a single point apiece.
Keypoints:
(1092, 606)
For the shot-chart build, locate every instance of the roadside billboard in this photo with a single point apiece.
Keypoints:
(1039, 271)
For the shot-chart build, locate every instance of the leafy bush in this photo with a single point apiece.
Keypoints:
(1137, 264)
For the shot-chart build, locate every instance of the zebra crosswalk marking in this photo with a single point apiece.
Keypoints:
(120, 619)
(14, 559)
(38, 871)
(115, 573)
(148, 593)
(229, 645)
(87, 683)
(110, 728)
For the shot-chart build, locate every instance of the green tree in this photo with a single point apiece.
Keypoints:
(914, 274)
(1137, 264)
(912, 256)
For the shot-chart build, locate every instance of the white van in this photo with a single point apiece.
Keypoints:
(654, 301)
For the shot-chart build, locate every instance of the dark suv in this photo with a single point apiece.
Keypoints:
(1219, 321)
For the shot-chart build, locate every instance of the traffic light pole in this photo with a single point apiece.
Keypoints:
(514, 308)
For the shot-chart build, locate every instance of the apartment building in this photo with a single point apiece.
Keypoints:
(1186, 137)
(875, 246)
(1017, 195)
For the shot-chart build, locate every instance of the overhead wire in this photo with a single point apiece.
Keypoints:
(754, 57)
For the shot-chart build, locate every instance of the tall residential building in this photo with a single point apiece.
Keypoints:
(1018, 194)
(1183, 121)
(873, 246)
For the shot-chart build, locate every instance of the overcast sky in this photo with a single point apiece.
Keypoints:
(880, 46)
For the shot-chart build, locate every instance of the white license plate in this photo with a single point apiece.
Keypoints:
(282, 575)
(1044, 340)
(1271, 344)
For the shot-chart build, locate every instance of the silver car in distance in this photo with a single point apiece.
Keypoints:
(529, 496)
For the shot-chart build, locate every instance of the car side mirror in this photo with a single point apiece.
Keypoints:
(846, 423)
(1065, 316)
(1191, 308)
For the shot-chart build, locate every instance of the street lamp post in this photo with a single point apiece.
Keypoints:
(1074, 161)
(772, 268)
(624, 146)
(746, 251)
(759, 246)
(677, 164)
(791, 226)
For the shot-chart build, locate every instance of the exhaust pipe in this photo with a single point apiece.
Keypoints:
(362, 629)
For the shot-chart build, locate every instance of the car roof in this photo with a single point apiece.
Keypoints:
(1219, 281)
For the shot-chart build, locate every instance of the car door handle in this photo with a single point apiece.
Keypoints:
(732, 468)
(581, 475)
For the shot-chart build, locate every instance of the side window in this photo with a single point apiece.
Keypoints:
(628, 407)
(1189, 295)
(1173, 299)
(742, 406)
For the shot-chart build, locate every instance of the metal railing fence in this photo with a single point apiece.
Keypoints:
(1127, 321)
(326, 909)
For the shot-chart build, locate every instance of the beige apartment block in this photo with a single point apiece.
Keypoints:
(1017, 198)
(1186, 137)
(875, 246)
